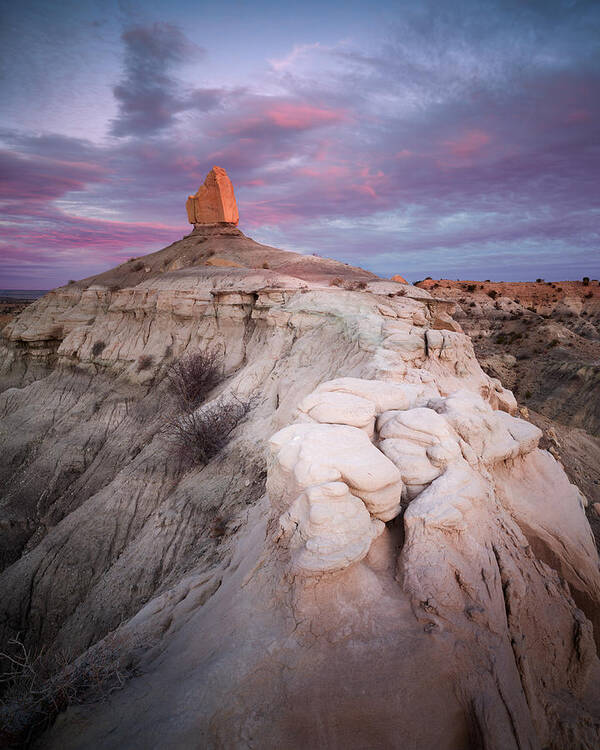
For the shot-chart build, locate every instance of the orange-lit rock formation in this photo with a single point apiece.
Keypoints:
(214, 202)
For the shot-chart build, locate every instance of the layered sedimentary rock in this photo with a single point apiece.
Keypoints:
(381, 556)
(466, 564)
(214, 202)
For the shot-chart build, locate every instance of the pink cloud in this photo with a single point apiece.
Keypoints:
(325, 173)
(252, 183)
(579, 115)
(263, 116)
(262, 213)
(366, 190)
(44, 179)
(303, 116)
(469, 144)
(372, 182)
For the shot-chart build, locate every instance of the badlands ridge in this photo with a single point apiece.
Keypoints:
(382, 556)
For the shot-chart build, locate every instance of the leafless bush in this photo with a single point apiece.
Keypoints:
(144, 362)
(337, 281)
(198, 436)
(137, 266)
(193, 377)
(353, 286)
(98, 348)
(33, 697)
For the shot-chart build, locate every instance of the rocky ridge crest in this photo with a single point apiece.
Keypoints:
(382, 545)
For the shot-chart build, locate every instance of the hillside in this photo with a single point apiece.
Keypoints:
(378, 550)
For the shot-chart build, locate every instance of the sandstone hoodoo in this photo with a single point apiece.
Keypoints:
(214, 202)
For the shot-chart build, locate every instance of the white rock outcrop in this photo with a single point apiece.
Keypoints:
(326, 461)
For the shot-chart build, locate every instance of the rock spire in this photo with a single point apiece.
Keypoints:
(214, 202)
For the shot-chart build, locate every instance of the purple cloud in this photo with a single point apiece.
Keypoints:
(464, 135)
(148, 96)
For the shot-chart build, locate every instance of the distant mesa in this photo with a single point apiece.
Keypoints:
(214, 203)
(399, 279)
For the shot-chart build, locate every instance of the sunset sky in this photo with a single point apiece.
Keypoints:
(455, 139)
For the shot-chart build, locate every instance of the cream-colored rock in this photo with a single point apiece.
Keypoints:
(337, 407)
(312, 454)
(214, 202)
(327, 528)
(384, 395)
(492, 435)
(420, 443)
(445, 503)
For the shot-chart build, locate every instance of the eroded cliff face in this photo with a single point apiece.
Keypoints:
(415, 569)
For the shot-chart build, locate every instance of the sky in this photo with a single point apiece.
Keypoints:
(456, 140)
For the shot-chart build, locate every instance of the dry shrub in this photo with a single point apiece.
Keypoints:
(98, 348)
(353, 286)
(137, 266)
(193, 377)
(337, 281)
(33, 696)
(197, 437)
(145, 362)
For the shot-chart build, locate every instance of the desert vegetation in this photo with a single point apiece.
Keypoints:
(98, 348)
(145, 362)
(192, 378)
(200, 435)
(35, 689)
(197, 432)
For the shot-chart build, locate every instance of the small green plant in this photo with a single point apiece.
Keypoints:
(492, 293)
(528, 394)
(586, 281)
